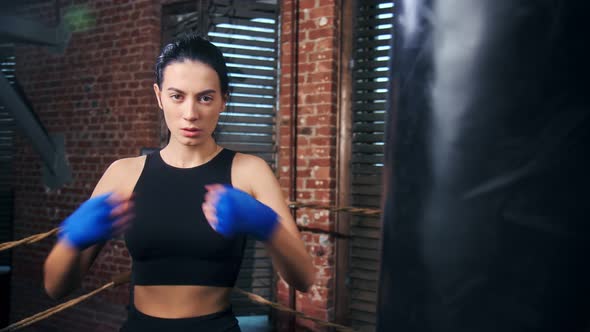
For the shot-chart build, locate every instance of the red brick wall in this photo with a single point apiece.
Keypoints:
(316, 142)
(98, 94)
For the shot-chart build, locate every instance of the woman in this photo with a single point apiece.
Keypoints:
(193, 203)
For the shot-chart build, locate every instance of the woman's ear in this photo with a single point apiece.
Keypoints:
(158, 95)
(225, 100)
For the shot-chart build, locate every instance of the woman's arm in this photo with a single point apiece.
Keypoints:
(66, 265)
(285, 246)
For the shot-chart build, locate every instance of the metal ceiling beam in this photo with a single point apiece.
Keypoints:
(50, 147)
(20, 30)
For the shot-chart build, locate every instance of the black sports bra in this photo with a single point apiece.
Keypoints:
(170, 241)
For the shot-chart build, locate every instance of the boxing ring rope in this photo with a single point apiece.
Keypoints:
(118, 280)
(125, 277)
(346, 209)
(260, 300)
(28, 240)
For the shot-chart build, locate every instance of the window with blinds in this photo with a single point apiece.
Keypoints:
(373, 28)
(7, 130)
(247, 33)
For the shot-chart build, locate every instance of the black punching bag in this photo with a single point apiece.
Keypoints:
(486, 223)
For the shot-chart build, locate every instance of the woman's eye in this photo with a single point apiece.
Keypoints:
(176, 97)
(206, 99)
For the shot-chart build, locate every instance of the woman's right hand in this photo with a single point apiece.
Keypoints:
(96, 220)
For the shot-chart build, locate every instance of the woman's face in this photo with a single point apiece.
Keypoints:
(192, 101)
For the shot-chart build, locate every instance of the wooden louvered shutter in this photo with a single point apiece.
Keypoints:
(372, 33)
(246, 31)
(7, 129)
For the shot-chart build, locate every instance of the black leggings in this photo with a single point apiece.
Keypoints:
(223, 321)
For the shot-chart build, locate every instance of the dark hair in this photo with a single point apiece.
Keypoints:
(195, 48)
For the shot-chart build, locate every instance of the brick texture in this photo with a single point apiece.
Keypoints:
(316, 144)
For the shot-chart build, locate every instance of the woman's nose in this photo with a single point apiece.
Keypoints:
(191, 112)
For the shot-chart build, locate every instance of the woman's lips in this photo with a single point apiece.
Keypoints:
(191, 132)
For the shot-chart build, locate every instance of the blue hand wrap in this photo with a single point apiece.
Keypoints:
(89, 224)
(238, 212)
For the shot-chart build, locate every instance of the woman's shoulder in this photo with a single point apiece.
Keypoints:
(247, 162)
(121, 175)
(250, 172)
(128, 165)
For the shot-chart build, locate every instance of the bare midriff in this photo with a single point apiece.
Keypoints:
(180, 301)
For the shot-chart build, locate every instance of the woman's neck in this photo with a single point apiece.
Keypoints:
(184, 156)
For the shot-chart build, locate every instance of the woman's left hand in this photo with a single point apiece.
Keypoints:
(231, 211)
